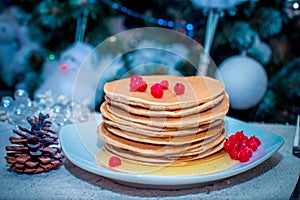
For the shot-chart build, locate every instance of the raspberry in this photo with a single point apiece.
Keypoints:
(228, 145)
(253, 143)
(164, 84)
(243, 156)
(232, 137)
(133, 86)
(243, 143)
(240, 135)
(249, 151)
(136, 78)
(256, 140)
(234, 154)
(114, 161)
(240, 147)
(137, 84)
(236, 144)
(142, 86)
(179, 88)
(156, 90)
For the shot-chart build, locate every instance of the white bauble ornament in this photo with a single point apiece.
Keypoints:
(245, 81)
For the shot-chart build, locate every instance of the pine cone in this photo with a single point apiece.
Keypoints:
(37, 149)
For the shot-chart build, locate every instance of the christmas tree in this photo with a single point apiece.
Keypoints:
(267, 30)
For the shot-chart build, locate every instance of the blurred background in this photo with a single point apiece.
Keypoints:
(254, 43)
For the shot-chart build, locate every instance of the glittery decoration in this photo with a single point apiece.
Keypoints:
(61, 109)
(5, 105)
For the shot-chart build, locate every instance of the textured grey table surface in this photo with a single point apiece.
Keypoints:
(273, 179)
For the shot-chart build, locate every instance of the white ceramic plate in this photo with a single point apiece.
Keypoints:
(80, 143)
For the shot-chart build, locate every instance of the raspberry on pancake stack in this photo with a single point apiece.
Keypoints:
(170, 129)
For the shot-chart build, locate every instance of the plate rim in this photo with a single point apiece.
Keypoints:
(149, 179)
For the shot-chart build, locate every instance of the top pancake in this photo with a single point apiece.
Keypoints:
(198, 90)
(166, 113)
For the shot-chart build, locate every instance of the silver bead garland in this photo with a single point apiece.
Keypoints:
(62, 110)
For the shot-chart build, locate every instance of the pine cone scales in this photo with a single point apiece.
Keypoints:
(36, 150)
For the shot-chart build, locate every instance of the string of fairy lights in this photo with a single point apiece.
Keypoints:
(189, 27)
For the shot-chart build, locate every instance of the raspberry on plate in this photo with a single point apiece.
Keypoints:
(114, 161)
(241, 147)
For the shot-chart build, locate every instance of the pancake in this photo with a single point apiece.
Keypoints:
(177, 140)
(165, 113)
(207, 116)
(198, 90)
(159, 132)
(159, 150)
(158, 160)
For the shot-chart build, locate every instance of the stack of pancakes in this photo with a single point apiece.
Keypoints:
(174, 129)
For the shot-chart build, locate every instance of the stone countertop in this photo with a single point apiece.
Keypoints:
(275, 178)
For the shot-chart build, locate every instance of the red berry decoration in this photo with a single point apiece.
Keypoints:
(240, 147)
(256, 140)
(228, 145)
(232, 137)
(114, 161)
(164, 84)
(240, 135)
(137, 84)
(157, 90)
(142, 86)
(133, 86)
(249, 151)
(179, 88)
(243, 156)
(253, 143)
(136, 78)
(234, 154)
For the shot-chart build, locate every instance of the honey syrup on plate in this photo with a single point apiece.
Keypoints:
(218, 162)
